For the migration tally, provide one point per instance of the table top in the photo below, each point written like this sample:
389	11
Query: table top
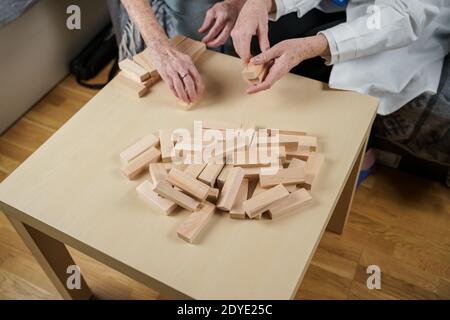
72	188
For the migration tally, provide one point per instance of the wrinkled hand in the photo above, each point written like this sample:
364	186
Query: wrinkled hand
219	21
286	55
179	72
253	20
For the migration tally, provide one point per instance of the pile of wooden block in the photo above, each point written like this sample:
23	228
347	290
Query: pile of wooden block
137	76
228	179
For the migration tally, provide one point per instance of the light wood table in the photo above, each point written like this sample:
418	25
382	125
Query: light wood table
71	191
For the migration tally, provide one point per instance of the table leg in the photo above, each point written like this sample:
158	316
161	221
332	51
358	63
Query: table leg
342	209
54	258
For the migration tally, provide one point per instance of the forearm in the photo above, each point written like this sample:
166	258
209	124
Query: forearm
142	15
315	46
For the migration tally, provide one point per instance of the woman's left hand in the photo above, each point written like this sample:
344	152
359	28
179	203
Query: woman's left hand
286	55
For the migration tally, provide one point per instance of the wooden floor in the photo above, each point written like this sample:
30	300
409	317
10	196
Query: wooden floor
398	222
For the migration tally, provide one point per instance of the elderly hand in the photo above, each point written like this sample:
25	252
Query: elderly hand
286	55
253	20
178	71
219	21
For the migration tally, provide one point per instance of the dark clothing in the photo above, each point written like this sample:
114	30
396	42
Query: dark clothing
290	26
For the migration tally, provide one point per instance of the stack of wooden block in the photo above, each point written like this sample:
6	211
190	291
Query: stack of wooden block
138	75
228	180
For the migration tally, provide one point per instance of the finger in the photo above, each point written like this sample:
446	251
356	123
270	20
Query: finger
215	30
273	76
222	37
242	46
179	87
197	80
168	80
190	88
263	37
207	23
266	56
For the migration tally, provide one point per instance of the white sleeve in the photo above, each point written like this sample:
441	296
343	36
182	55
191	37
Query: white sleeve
400	23
287	6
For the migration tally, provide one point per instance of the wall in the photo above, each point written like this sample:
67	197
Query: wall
36	49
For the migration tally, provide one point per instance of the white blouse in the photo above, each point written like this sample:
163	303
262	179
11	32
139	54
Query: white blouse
390	49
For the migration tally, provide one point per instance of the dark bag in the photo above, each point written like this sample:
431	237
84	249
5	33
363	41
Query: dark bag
98	53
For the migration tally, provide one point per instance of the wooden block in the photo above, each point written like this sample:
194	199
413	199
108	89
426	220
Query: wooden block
132	87
165	139
252	71
144	60
294	201
138	148
263	200
186	105
301	153
258	189
139	164
273	132
225	149
194	170
177	39
308	142
213	195
188	184
196	222
237	210
134	71
312	167
255	74
223	175
293	175
192	48
158	172
164	189
230	189
295	163
258	157
145	191
210	173
219	125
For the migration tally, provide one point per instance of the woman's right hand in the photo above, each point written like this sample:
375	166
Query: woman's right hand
178	71
253	20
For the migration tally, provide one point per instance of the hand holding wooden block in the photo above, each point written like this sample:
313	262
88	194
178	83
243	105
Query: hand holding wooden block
255	74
